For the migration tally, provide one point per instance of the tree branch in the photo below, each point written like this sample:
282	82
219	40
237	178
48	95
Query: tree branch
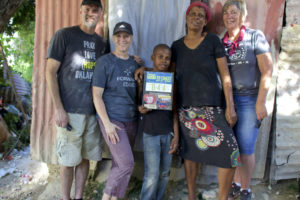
7	10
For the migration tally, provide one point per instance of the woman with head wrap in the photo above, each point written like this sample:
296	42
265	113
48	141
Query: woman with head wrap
203	79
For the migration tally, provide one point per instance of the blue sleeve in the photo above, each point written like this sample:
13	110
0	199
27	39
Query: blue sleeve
261	44
57	46
100	73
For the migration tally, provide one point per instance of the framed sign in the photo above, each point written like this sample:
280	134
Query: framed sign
158	90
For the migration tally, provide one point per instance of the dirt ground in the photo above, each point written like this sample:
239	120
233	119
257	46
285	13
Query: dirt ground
24	179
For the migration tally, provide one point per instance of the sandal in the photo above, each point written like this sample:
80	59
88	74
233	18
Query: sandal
235	191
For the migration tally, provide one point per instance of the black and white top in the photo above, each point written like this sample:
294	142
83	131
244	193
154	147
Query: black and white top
243	66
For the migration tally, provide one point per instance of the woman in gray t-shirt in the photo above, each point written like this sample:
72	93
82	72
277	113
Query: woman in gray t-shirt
250	66
114	95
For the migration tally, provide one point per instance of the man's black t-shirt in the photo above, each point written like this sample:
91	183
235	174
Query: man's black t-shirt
197	73
77	52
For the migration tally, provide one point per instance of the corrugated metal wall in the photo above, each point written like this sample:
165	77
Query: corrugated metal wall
50	16
266	15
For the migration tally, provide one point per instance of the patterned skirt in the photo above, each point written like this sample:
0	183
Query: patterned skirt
206	137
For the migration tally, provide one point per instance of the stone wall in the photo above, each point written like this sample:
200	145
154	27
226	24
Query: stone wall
286	151
292	12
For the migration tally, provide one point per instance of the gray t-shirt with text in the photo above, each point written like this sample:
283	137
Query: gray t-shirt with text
115	75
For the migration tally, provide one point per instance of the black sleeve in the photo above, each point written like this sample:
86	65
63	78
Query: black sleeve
107	47
174	53
57	46
219	49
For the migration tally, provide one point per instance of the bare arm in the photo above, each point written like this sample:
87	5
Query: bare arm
265	65
227	88
61	117
139	73
110	128
175	140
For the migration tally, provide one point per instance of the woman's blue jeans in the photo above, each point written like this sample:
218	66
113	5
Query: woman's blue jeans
247	126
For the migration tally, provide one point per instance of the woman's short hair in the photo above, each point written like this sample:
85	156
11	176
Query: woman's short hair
240	4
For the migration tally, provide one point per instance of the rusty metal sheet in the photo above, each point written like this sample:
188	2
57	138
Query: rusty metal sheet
50	16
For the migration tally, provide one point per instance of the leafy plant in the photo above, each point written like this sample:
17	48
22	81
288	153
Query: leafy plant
11	121
18	40
14	124
22	18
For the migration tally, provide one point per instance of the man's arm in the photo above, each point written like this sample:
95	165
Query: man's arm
61	117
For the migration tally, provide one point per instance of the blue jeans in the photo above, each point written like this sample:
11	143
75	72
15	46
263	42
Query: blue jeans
246	128
157	162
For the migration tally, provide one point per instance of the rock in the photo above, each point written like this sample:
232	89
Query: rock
6	171
211	194
265	196
199	190
104	168
53	190
270	187
4	133
184	197
185	191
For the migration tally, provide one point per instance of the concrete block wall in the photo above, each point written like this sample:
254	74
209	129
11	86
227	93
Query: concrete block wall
286	152
292	12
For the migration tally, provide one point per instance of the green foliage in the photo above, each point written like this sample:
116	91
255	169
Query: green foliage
134	188
19	51
2	81
18	40
22	133
22	18
293	187
11	121
94	190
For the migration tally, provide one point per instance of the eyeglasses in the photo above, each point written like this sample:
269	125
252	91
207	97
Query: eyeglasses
193	15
